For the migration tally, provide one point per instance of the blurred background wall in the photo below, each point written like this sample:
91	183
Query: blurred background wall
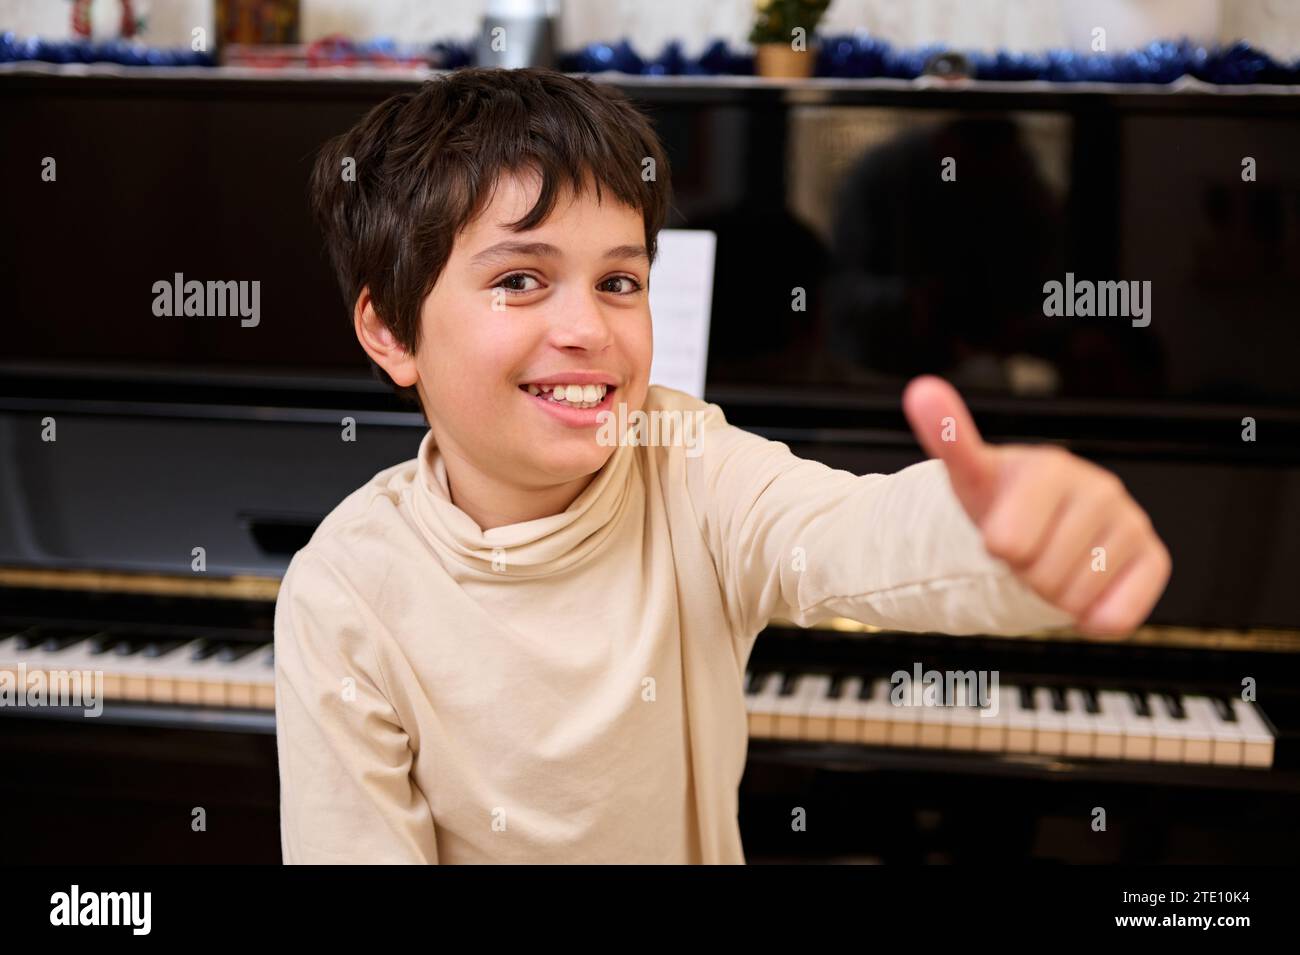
1272	25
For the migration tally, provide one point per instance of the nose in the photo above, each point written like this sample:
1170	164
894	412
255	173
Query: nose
580	322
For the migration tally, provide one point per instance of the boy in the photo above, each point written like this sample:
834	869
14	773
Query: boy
527	644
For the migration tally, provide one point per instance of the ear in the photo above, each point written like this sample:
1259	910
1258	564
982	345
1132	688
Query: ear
381	344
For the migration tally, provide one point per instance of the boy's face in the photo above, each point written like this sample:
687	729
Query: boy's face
516	314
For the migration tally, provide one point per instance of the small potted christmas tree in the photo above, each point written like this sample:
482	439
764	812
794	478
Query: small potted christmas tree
783	36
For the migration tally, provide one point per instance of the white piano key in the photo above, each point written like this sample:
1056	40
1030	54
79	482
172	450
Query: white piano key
1197	735
1258	745
762	712
1229	741
202	682
901	712
991	728
1021	724
963	718
786	710
878	715
934	717
1168	733
846	726
135	676
138	676
1050	736
1139	731
1080	726
792	720
1109	726
819	715
251	681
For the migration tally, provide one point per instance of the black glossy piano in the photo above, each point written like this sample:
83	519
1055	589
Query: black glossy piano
156	476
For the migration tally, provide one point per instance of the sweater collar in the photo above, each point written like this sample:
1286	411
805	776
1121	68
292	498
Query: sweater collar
531	548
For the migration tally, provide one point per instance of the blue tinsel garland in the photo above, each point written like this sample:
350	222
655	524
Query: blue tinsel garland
861	56
13	50
852	55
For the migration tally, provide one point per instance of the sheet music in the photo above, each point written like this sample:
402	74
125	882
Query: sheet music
681	297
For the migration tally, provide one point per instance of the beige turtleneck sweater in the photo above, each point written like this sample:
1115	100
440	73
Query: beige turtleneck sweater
569	689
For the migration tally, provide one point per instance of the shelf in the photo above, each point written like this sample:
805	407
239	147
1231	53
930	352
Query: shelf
1186	92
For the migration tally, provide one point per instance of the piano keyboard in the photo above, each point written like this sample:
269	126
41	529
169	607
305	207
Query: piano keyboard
150	669
1074	722
1077	722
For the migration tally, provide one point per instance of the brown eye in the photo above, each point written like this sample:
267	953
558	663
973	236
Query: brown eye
516	283
632	285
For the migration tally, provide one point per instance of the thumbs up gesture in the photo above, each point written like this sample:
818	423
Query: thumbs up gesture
1067	528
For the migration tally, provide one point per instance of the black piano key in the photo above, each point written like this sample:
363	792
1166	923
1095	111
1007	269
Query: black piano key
160	648
1173	705
235	651
787	684
61	641
1058	699
129	646
1027	698
753	681
51	639
836	689
102	643
205	649
1140	703
1224	709
108	643
1090	701
867	688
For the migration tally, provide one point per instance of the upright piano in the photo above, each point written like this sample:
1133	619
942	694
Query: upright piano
157	475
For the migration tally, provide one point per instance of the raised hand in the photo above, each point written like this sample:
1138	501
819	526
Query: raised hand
1066	527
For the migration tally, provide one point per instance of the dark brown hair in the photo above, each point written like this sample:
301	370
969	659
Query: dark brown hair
426	161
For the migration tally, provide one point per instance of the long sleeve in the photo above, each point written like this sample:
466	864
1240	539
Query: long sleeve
346	790
795	539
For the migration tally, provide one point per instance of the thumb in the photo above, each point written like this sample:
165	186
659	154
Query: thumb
946	431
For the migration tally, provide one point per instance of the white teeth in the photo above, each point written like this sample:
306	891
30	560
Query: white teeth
577	396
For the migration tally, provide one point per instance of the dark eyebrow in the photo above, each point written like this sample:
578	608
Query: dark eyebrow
628	252
505	249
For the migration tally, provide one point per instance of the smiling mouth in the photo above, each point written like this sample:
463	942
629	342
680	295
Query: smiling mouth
570	396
